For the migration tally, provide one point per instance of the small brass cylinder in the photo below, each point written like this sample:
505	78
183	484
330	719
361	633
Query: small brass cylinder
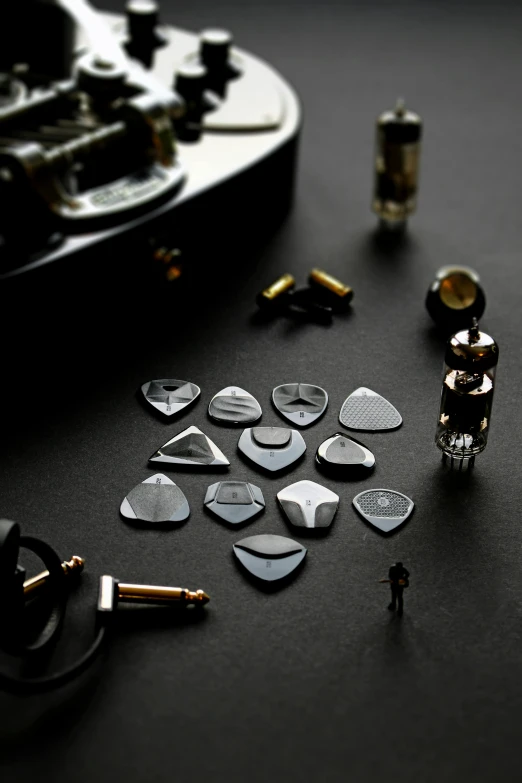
331	290
271	296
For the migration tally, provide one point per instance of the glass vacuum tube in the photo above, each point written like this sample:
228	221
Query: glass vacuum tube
397	155
467	396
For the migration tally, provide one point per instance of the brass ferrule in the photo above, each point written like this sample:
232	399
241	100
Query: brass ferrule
281	286
73	566
323	279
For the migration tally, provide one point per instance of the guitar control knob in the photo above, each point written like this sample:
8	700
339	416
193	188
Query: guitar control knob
215	49
215	54
190	83
142	21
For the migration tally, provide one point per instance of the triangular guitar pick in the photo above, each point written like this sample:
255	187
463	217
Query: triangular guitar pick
367	411
190	447
269	557
170	396
308	504
301	403
157	499
233	405
385	509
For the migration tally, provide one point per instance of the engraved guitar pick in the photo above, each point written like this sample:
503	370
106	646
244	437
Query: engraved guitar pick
273	448
234	406
269	557
385	509
369	412
170	396
234	501
308	504
190	447
345	456
157	499
301	403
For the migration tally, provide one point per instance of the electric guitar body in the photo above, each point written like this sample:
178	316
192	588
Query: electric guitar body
95	185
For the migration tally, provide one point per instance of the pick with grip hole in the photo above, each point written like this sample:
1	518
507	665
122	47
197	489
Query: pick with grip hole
385	509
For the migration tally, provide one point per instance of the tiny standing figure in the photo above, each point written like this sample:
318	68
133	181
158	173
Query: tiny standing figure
398	577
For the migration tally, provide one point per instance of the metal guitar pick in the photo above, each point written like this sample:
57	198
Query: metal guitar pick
170	396
301	403
157	499
269	557
345	455
307	504
234	406
273	448
190	447
385	509
367	411
234	501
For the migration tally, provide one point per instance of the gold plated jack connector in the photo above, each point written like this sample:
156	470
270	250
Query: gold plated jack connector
112	592
73	566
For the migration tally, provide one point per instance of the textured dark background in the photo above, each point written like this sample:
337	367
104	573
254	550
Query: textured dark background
317	681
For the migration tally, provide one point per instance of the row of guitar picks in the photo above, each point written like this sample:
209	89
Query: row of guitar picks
300	403
271	448
305	503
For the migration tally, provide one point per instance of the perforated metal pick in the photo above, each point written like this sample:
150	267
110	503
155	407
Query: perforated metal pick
345	456
190	447
273	448
170	396
157	499
301	403
234	501
234	406
369	412
385	509
269	557
307	504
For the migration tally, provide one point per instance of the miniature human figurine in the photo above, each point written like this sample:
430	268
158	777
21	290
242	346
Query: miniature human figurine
398	580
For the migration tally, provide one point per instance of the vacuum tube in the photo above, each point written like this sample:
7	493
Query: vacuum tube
467	396
397	157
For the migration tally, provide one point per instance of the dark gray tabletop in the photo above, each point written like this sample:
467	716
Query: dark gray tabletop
316	682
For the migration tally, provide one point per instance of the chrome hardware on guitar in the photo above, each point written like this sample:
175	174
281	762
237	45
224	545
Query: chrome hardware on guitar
108	125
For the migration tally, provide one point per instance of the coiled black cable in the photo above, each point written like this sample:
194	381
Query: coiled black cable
12	621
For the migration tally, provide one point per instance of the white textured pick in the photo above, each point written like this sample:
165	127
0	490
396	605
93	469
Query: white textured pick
234	405
385	509
156	500
367	411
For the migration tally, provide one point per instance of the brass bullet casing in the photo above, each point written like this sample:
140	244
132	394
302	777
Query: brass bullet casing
275	296
455	297
73	566
397	158
330	291
112	592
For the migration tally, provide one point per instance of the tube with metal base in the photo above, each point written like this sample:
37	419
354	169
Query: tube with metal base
467	396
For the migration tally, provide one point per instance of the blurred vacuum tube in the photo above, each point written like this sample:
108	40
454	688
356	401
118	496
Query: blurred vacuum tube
467	396
397	157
